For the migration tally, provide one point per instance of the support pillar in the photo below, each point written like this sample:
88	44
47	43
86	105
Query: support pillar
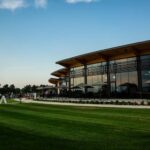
85	77
66	82
139	74
69	79
108	78
58	88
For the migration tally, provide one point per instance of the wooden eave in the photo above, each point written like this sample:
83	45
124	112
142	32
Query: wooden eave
120	52
60	73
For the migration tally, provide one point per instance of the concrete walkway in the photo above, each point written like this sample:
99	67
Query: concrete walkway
83	105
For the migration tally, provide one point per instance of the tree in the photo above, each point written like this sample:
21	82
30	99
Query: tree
17	90
12	88
5	89
27	89
34	88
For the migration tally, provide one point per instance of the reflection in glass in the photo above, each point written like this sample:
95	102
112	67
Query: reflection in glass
145	61
123	76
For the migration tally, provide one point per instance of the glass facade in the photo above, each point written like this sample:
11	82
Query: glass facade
96	76
145	65
123	76
77	76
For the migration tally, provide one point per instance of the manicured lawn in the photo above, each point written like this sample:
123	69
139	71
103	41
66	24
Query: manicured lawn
10	101
46	127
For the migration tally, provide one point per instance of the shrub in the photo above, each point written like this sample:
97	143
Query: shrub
142	102
117	102
129	103
101	102
135	103
111	102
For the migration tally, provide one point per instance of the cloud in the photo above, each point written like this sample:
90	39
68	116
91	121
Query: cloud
79	1
16	4
41	3
12	4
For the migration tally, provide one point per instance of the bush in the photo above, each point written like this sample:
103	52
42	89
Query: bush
117	102
101	102
111	102
135	103
142	102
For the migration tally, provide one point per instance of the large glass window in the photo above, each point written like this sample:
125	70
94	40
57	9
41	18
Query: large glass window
72	82
123	76
145	62
78	81
96	81
96	76
77	72
76	75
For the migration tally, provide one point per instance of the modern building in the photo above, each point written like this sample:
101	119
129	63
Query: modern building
118	71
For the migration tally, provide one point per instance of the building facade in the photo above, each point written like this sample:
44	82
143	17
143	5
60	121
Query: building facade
122	71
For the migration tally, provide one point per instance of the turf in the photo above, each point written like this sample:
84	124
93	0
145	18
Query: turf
46	127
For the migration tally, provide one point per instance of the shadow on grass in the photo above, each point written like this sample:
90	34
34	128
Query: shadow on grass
11	139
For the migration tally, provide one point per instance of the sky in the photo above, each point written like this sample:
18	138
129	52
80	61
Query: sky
34	34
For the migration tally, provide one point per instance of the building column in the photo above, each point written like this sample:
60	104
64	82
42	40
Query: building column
115	72
108	78
58	88
69	79
66	82
85	76
139	74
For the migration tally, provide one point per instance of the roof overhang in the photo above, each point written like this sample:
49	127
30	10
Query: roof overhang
120	52
53	80
61	72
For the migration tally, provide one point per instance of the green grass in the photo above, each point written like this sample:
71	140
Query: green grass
46	127
11	101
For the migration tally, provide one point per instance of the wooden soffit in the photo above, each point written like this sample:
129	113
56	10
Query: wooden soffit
53	80
120	52
61	72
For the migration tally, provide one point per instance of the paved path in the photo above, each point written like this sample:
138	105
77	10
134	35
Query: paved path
87	105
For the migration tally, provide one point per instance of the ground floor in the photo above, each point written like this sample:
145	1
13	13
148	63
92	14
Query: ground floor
129	77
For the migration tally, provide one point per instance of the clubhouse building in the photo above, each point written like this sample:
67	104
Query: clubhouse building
122	71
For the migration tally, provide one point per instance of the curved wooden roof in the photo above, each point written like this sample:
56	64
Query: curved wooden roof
120	52
61	72
53	80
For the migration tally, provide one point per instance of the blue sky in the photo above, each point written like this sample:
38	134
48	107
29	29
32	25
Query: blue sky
34	34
